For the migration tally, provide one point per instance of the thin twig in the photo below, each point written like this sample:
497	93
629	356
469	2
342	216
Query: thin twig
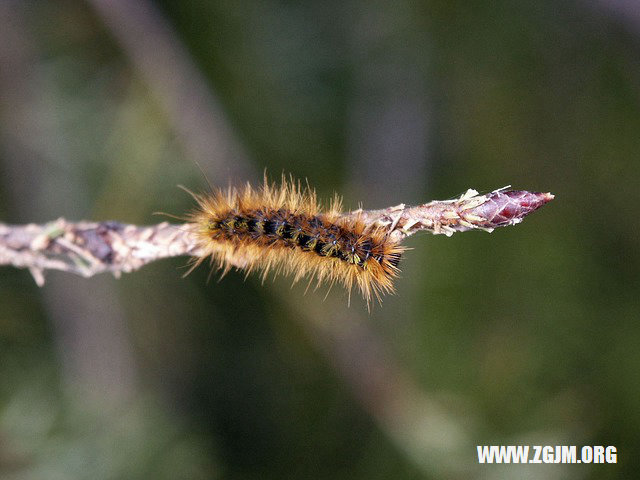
471	211
86	248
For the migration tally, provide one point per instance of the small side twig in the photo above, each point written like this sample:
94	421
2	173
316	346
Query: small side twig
87	248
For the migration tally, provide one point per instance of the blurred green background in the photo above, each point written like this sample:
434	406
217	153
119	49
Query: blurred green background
529	335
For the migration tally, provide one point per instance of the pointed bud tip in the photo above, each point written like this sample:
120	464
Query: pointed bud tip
510	207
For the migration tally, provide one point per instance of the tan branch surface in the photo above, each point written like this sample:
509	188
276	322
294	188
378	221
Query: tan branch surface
86	248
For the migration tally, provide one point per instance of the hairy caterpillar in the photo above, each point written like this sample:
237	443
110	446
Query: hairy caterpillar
285	229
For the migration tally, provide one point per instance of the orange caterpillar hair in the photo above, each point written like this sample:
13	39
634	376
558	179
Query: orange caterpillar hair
284	228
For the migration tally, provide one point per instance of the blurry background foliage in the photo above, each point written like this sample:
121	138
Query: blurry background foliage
526	336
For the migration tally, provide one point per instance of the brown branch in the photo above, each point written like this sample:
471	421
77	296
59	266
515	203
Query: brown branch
86	248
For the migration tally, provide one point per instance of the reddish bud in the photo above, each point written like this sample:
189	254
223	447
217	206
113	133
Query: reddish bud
507	208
